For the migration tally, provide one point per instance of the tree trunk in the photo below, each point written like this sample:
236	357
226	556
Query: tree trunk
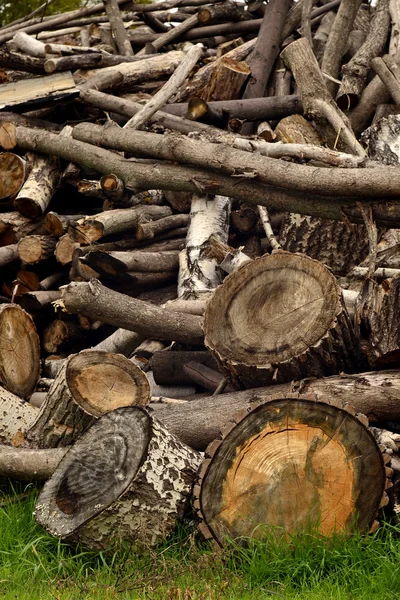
277	319
126	478
19	351
381	315
88	385
324	471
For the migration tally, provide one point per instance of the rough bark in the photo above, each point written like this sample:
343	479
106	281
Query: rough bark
279	318
88	385
147	231
339	245
126	478
92	299
35	195
335	461
381	316
16	417
19	351
227	80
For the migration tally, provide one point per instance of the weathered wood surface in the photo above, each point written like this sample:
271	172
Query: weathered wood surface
126	478
325	471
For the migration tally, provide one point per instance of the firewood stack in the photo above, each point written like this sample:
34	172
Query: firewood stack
200	266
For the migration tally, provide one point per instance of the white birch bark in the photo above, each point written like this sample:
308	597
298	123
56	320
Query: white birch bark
199	274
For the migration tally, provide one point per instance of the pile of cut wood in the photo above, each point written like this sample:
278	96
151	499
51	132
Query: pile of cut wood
199	258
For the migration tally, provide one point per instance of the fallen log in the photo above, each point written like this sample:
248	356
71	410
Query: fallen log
335	462
88	385
126	478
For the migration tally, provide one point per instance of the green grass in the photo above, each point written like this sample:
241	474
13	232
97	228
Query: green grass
36	566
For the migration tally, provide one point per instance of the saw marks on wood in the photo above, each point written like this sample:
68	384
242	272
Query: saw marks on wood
293	465
19	351
102	382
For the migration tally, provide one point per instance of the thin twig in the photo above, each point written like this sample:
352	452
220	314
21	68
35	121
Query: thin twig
264	216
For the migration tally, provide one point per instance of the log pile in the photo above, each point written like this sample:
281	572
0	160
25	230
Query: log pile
200	266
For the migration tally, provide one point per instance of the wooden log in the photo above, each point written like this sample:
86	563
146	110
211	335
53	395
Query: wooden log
339	245
262	58
376	394
168	89
65	249
91	229
13	171
381	317
329	453
36	248
20	62
356	70
57	225
29	44
19	351
30	94
36	193
317	101
24	464
338	39
14	226
227	80
277	319
39	300
147	231
16	417
88	385
168	367
198	273
61	334
126	478
136	72
118	27
130	313
388	70
253	109
349	186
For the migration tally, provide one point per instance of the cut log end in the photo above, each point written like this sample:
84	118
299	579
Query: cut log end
12	173
270	312
19	351
291	465
101	382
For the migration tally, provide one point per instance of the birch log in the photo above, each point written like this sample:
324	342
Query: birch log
127	478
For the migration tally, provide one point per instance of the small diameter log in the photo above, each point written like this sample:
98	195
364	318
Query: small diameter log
91	229
19	351
356	70
25	464
168	367
65	249
14	226
127	478
29	44
61	334
317	101
35	195
388	71
36	248
338	40
279	318
118	27
16	416
148	262
88	385
94	300
168	89
198	273
324	471
375	394
227	80
13	170
147	231
57	225
8	255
